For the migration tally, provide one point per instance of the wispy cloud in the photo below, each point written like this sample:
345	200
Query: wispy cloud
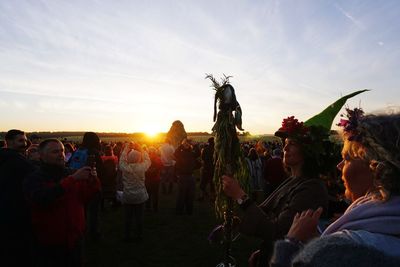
351	18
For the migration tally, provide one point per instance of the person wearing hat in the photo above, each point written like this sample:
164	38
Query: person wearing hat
303	190
371	224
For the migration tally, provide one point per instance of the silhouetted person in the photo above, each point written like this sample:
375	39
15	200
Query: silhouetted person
207	172
274	172
90	148
168	170
186	158
15	224
57	200
152	181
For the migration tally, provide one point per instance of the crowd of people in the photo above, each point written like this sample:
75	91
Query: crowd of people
52	193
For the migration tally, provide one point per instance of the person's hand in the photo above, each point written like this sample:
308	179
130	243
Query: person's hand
82	173
232	188
304	226
253	260
93	172
126	147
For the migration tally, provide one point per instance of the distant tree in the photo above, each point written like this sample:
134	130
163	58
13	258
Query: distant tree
245	134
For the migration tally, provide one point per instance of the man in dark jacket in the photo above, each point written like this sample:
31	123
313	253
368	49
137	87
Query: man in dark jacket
57	201
186	162
15	225
207	172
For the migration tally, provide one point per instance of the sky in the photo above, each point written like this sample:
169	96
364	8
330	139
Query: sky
133	66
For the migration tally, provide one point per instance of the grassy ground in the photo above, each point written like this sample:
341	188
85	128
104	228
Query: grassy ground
169	240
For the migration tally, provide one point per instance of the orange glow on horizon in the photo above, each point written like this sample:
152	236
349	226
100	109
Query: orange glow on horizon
151	131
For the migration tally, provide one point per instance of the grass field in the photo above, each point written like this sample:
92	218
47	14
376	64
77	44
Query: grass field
169	240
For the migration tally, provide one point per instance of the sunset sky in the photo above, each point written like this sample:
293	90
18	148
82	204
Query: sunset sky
129	66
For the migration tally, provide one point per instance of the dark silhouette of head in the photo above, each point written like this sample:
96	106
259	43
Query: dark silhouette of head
91	141
16	139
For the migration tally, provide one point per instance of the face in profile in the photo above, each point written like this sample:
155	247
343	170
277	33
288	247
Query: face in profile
356	175
33	153
18	143
293	155
53	154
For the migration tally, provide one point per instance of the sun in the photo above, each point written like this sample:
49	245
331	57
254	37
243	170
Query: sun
151	131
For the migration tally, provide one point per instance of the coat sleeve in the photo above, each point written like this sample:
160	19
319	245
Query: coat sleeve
158	163
311	194
123	160
87	189
284	252
41	194
134	167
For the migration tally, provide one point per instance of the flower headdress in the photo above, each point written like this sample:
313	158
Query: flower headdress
292	128
313	132
350	125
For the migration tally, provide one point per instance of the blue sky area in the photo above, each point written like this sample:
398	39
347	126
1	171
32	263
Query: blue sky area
139	65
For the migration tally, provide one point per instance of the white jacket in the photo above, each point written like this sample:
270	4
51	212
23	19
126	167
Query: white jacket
133	176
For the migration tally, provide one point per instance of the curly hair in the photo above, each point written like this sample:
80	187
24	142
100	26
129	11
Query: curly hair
380	146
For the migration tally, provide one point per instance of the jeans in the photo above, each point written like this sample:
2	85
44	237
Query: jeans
167	179
186	191
92	214
134	213
152	191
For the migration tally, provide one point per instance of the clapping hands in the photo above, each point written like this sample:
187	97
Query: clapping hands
304	226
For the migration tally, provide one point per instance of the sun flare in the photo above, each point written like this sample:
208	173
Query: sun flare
151	131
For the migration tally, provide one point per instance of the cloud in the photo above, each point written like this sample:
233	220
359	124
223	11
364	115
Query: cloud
356	22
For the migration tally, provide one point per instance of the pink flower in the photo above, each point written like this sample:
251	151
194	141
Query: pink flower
343	123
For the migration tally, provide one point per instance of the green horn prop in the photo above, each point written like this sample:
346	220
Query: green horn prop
326	117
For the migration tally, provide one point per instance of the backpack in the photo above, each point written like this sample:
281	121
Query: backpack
79	158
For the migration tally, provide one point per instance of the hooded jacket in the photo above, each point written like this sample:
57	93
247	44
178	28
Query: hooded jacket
372	222
133	177
368	231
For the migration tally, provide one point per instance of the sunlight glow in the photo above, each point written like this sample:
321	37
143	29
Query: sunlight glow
106	73
151	131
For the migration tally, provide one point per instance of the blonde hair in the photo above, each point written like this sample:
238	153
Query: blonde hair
379	145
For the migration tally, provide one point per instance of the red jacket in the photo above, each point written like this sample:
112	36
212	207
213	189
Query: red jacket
57	206
274	172
153	172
